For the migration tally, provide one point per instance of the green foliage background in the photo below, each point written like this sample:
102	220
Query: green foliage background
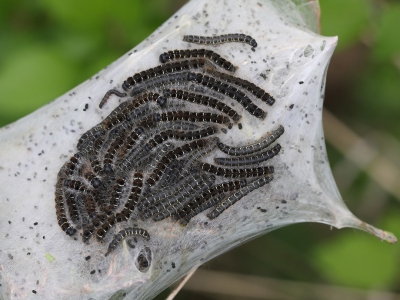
47	47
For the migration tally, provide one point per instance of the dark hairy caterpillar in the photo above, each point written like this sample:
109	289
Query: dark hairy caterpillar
203	100
122	112
171	155
248	160
108	94
163	209
238	195
194	53
173	207
237	173
161	70
190	164
252	148
162	81
179	135
72	165
72	208
221	39
133	198
60	211
131	231
251	87
155	198
207	199
153	120
230	91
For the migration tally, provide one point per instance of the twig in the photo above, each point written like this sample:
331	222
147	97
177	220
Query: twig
182	283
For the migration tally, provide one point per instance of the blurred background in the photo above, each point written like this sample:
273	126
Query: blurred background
48	47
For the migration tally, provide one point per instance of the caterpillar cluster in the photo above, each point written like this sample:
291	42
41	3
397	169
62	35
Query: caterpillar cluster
146	160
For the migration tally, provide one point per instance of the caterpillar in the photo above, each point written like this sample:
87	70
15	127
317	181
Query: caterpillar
248	160
203	100
252	148
131	231
161	70
194	53
251	87
221	39
230	91
238	195
237	173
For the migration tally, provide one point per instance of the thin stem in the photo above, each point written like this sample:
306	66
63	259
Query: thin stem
182	283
